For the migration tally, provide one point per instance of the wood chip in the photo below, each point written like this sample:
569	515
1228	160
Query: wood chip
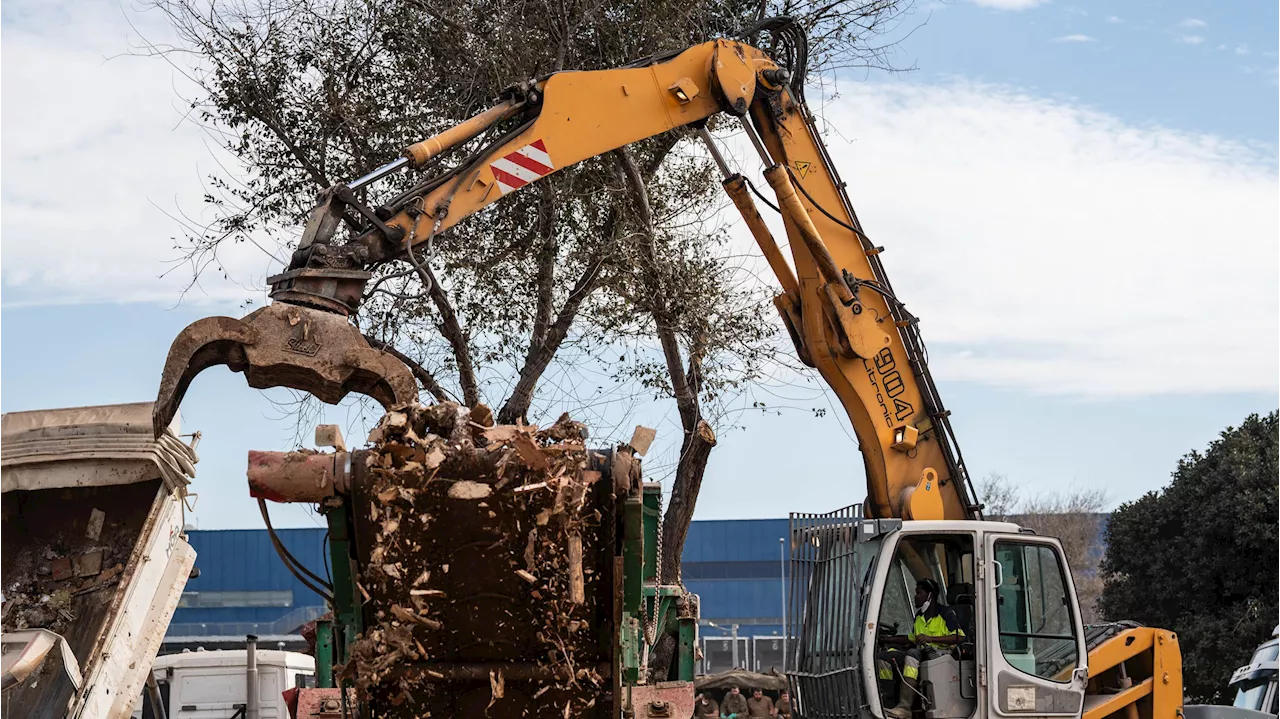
501	434
330	435
526	576
530	453
642	438
87	565
497	686
482	415
94	530
433	458
577	593
466	489
530	555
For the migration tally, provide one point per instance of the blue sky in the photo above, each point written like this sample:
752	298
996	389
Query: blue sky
1079	199
1201	66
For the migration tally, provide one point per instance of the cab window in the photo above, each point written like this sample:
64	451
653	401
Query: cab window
946	559
1033	610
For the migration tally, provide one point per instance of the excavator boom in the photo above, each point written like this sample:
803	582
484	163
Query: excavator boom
837	304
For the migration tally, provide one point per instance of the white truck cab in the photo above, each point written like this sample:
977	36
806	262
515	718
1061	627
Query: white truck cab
214	684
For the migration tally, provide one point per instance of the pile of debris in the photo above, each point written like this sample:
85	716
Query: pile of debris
55	564
486	556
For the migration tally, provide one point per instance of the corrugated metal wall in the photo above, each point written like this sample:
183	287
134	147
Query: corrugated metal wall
243	560
735	566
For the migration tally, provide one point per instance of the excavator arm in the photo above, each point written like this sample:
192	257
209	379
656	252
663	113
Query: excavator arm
837	304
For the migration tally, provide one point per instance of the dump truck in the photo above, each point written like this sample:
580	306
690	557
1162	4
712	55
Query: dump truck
95	555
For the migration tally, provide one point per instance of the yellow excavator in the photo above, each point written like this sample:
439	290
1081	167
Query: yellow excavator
1026	654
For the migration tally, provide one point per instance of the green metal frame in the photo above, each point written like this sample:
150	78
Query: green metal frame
641	591
348	614
324	653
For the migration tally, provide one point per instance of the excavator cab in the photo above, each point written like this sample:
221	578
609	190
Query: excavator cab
852	587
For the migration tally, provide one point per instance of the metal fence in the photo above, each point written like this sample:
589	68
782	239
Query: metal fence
822	662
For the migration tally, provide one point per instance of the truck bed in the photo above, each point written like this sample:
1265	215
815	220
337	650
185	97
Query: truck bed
48	526
93	550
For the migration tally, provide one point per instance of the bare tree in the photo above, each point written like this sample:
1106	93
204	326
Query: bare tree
1073	516
999	497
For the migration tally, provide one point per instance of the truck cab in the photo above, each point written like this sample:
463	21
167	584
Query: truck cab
214	684
1255	683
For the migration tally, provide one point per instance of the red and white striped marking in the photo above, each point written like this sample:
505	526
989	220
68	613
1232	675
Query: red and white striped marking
521	167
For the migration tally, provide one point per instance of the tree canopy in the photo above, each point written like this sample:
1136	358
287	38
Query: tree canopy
1200	556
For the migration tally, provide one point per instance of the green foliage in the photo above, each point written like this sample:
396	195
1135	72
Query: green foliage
1200	556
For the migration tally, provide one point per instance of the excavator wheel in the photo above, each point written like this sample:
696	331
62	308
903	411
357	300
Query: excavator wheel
284	345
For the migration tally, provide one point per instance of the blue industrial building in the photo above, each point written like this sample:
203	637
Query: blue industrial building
736	567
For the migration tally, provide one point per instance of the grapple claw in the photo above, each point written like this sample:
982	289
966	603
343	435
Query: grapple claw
284	345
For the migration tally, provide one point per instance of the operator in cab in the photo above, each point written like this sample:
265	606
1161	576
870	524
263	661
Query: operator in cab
935	630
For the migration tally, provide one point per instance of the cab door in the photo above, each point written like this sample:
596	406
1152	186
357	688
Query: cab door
1036	663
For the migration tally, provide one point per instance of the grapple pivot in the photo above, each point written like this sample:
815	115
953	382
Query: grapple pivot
284	345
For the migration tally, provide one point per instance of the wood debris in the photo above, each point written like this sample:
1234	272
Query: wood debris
521	516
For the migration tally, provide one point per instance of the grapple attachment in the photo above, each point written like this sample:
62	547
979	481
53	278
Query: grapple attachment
284	345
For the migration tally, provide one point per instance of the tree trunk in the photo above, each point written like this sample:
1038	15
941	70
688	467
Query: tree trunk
694	454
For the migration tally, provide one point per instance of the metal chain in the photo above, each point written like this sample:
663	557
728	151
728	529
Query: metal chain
651	617
657	571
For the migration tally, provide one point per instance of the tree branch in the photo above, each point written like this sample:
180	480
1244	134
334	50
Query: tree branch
686	400
452	331
541	353
694	454
546	340
424	377
546	268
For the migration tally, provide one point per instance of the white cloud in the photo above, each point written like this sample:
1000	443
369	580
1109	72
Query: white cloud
97	154
1190	39
1242	49
1075	38
1043	245
1009	4
1114	19
1193	22
1057	249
